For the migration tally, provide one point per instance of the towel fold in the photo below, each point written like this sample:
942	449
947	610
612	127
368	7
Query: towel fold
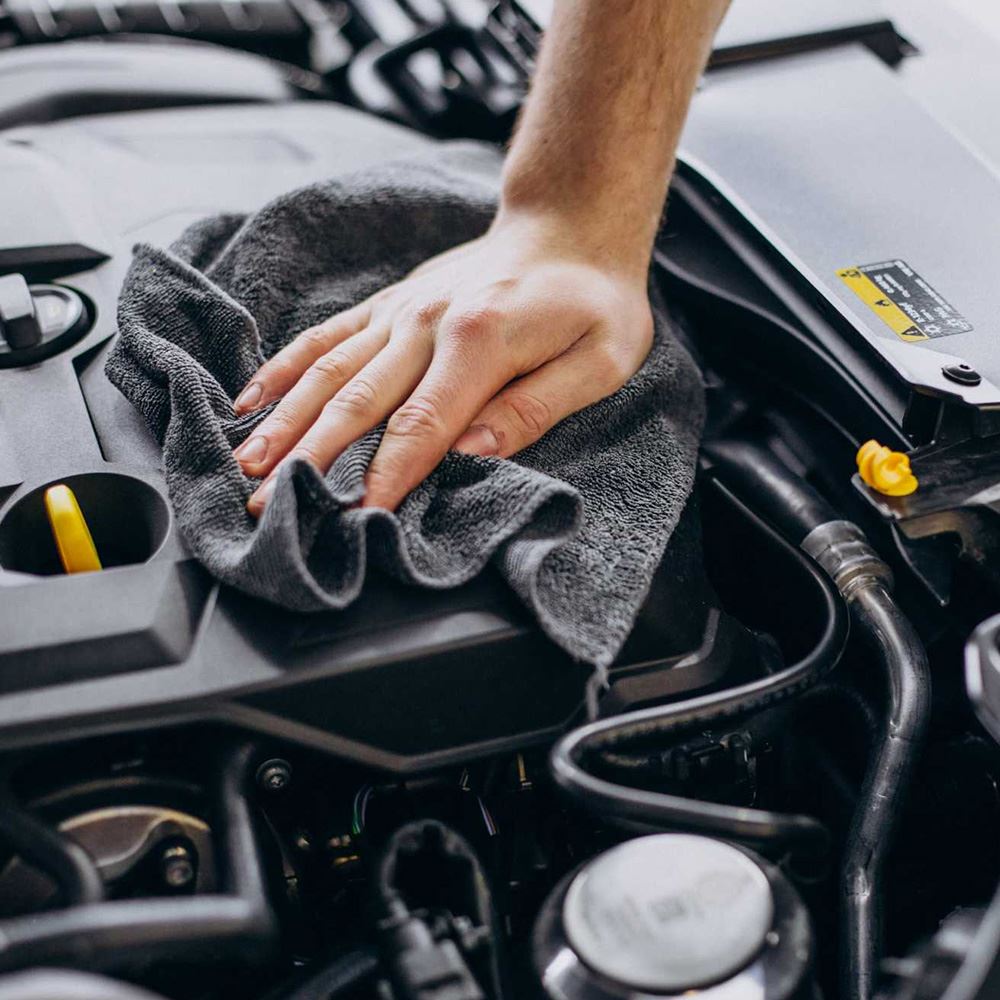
576	523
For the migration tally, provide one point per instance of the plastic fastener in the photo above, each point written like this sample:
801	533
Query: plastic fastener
962	373
885	470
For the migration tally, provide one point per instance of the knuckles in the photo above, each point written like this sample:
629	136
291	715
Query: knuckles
474	324
282	422
531	414
426	315
357	399
420	418
333	367
315	338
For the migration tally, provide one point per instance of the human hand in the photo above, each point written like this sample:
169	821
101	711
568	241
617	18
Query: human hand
482	349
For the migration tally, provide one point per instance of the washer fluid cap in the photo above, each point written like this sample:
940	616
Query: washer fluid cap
886	471
668	913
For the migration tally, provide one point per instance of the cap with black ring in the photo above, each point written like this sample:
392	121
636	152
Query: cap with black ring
663	915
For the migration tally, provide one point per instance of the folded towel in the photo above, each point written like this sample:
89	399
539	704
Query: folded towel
576	523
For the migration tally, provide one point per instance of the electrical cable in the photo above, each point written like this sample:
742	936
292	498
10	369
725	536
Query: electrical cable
344	975
59	857
658	809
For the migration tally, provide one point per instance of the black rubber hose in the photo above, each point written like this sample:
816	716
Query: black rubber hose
239	926
650	765
59	857
861	576
852	699
904	658
768	487
656	809
343	975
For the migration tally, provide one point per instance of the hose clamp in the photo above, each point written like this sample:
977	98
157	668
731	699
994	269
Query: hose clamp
847	557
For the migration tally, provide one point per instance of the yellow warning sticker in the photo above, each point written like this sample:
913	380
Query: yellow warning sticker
904	301
883	307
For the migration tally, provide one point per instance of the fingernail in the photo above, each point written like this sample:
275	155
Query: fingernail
263	496
250	396
478	440
252	451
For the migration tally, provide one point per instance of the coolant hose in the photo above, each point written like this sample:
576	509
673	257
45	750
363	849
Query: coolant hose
864	580
768	487
904	660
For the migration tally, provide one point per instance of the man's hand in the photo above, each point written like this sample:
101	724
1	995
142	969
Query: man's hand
487	346
484	349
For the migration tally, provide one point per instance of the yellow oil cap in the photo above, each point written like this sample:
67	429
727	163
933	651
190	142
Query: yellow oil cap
885	470
69	528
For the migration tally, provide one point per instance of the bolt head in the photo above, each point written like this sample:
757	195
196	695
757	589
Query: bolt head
177	867
274	775
962	374
178	874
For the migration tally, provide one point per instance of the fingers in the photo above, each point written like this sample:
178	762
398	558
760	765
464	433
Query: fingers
442	375
304	401
363	403
278	375
461	378
531	406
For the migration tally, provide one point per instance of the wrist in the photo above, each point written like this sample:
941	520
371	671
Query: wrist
586	233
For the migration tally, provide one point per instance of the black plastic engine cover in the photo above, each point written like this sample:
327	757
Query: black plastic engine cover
405	679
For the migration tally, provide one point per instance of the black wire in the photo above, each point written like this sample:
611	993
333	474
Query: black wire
338	978
59	857
660	810
853	699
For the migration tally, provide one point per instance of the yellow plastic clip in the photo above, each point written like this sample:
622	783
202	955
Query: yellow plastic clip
69	528
885	470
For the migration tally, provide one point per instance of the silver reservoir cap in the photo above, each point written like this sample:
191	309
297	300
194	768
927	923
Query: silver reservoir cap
668	913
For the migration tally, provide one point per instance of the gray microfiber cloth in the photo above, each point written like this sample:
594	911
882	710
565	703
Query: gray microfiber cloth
576	524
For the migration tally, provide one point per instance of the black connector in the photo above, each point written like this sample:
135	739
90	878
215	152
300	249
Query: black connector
437	931
421	966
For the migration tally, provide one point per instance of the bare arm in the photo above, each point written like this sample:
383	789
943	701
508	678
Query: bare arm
596	144
486	347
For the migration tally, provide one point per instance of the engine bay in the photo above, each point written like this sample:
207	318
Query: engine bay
792	769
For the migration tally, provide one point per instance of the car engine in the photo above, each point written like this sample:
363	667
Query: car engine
787	787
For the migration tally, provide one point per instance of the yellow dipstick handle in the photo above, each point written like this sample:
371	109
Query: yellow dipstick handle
69	528
885	470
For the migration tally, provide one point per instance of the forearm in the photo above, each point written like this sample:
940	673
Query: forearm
596	143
